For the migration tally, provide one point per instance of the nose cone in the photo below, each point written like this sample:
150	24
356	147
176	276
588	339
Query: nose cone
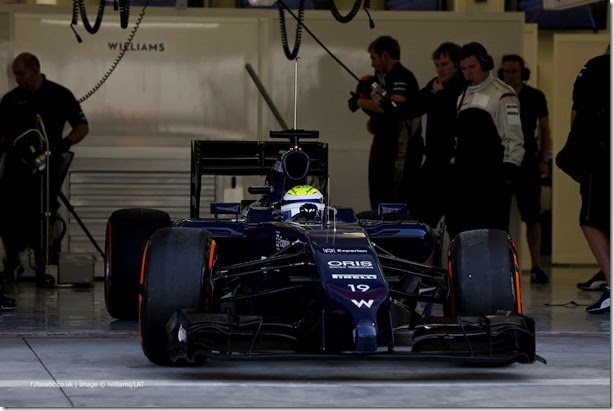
365	337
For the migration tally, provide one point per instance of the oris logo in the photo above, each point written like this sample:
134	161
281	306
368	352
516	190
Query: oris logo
350	264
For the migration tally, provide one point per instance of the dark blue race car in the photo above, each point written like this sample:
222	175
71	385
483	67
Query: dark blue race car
290	276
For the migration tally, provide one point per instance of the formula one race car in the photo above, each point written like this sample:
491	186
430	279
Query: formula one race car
290	276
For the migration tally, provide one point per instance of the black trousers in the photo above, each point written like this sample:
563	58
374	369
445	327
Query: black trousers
433	193
382	176
595	192
22	208
480	199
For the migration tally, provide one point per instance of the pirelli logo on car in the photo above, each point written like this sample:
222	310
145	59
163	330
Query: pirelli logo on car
354	277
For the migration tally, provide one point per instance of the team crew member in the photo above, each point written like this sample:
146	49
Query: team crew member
590	118
533	111
396	149
489	147
34	100
438	101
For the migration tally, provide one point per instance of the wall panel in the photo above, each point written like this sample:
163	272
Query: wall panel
178	79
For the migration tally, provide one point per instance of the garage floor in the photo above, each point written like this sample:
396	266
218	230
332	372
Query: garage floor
60	348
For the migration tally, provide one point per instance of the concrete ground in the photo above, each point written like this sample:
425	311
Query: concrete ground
60	348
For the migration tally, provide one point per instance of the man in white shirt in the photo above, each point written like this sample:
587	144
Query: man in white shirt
489	147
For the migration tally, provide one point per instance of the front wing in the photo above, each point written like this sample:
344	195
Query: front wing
497	339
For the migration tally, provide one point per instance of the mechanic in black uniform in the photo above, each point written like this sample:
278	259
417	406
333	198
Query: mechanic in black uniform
488	147
590	119
533	112
397	147
34	100
438	101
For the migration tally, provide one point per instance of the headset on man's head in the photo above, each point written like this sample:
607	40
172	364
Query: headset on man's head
525	73
476	49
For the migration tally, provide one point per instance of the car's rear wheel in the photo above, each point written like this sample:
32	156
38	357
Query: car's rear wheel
127	233
176	274
484	274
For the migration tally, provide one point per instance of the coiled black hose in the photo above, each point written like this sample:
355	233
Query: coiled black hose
347	18
284	34
124	12
78	7
343	19
350	16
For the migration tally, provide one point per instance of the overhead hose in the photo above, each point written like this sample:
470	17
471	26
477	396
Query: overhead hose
367	4
284	35
124	12
347	18
79	6
119	56
300	22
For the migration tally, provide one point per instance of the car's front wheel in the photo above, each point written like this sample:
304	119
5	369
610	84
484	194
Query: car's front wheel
176	274
484	274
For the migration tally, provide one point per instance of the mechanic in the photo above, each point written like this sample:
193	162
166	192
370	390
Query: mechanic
438	101
533	111
35	100
488	147
397	148
590	119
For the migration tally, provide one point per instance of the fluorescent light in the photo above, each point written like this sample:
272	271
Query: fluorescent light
565	4
160	24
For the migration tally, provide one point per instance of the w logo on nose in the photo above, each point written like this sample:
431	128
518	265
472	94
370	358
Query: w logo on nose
363	302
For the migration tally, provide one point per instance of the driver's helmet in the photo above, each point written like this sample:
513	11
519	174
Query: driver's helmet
295	199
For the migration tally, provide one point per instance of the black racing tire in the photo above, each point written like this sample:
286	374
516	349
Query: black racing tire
127	233
176	275
484	274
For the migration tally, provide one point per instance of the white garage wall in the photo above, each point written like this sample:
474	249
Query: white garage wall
181	78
